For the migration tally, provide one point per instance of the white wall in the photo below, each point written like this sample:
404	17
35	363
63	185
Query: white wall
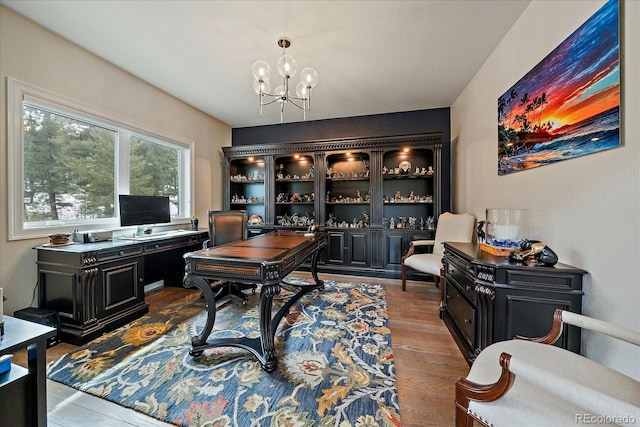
586	209
36	56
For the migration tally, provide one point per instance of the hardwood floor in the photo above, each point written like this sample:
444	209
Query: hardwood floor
428	363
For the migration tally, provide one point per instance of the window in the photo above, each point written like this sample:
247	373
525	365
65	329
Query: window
68	164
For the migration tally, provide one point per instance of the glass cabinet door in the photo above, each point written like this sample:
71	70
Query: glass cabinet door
347	198
294	191
247	187
408	189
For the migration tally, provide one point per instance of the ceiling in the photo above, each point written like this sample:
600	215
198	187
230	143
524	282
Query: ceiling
371	56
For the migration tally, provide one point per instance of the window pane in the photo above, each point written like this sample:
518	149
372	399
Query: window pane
154	170
68	168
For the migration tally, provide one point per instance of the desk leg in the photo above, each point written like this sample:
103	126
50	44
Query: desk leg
314	268
267	332
209	297
37	361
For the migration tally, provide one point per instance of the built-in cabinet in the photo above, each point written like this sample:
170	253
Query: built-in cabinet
372	196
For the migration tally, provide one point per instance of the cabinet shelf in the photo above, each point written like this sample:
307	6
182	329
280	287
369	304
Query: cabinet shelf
294	180
294	203
247	203
390	177
346	203
348	179
407	203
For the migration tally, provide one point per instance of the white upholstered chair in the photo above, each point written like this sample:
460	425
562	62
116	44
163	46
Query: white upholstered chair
530	382
451	228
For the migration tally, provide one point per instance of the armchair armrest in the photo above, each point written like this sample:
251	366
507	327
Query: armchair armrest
417	243
560	317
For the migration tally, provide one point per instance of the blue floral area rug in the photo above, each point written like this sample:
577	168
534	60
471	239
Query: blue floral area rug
335	364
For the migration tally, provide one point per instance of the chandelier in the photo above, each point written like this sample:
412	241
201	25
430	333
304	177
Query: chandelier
287	67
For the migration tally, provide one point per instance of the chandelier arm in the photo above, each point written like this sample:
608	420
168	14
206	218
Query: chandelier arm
291	100
272	101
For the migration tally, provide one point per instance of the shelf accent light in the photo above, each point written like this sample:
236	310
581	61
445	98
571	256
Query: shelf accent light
287	68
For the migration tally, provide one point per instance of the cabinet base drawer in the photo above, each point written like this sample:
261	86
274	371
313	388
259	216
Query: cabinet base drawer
461	311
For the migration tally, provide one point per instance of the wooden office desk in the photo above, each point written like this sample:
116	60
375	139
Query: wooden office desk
265	260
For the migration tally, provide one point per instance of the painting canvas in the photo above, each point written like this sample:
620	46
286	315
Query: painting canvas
569	104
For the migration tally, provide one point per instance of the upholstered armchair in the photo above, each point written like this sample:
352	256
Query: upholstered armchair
227	227
531	382
451	228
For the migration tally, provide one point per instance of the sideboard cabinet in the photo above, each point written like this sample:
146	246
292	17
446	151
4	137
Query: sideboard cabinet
97	287
488	298
372	196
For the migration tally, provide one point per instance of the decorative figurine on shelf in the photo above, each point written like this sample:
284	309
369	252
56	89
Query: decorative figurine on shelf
365	219
405	167
430	170
384	170
542	253
392	223
423	171
397	197
280	174
330	172
417	172
430	223
421	223
358	197
312	171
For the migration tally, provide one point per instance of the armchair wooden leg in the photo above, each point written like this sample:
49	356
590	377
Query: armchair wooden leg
404	277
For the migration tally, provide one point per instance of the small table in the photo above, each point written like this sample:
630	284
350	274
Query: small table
266	260
20	334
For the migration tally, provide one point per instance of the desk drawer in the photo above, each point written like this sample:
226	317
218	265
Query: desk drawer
462	276
119	253
462	312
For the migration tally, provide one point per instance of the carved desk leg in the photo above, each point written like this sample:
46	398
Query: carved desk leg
267	332
199	342
314	268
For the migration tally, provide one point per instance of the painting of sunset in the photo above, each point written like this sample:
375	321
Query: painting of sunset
569	104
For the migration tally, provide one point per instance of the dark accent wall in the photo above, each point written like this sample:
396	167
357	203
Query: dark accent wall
378	125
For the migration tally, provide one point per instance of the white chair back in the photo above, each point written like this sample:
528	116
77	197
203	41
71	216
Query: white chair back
453	228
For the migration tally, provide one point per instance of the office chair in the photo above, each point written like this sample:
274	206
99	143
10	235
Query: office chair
451	228
227	227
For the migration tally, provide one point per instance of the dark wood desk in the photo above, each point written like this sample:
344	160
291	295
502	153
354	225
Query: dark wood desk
265	260
20	334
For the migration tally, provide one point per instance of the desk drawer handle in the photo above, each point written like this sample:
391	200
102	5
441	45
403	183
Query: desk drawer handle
121	252
467	321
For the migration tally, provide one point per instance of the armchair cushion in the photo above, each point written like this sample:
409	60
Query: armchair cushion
426	263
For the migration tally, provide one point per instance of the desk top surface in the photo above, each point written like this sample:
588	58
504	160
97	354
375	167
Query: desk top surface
265	247
19	333
473	253
118	242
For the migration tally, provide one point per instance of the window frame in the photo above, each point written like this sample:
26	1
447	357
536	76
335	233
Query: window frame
19	92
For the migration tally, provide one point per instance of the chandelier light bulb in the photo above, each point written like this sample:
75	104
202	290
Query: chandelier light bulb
301	90
261	70
287	66
309	77
261	86
279	91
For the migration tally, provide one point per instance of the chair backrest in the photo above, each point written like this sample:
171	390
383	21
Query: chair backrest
227	226
453	228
